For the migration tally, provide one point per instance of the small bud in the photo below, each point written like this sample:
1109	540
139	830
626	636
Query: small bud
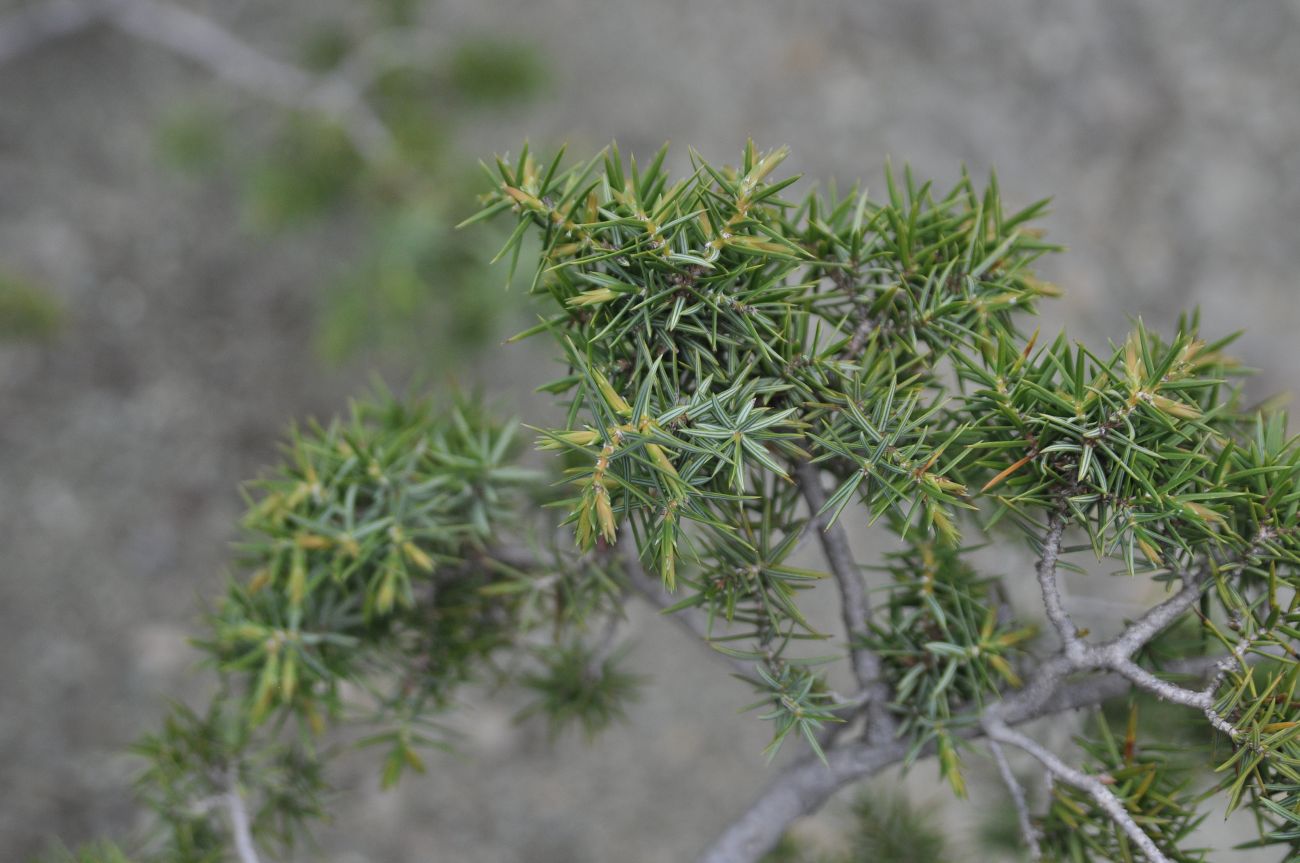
1037	286
1203	512
387	594
605	514
594	297
312	542
950	766
417	556
1175	408
1004	668
260	579
661	459
288	678
525	200
297	577
611	396
1133	361
1152	553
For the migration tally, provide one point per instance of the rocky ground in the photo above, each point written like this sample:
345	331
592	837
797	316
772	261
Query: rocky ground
1169	133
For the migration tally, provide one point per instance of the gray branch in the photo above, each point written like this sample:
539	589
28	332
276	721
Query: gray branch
1027	830
31	27
861	333
1051	589
805	787
1157	619
799	790
855	609
240	827
1202	700
1078	656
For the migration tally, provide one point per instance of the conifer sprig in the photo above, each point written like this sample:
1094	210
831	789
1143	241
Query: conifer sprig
742	372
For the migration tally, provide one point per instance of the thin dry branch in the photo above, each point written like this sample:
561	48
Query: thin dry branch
1051	589
1157	619
1202	700
240	826
999	731
855	609
31	27
1028	833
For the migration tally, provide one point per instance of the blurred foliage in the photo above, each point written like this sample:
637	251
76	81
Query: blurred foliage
348	543
884	827
789	850
98	852
890	827
493	71
999	834
192	139
410	290
386	299
195	760
326	47
310	168
28	312
397	13
577	684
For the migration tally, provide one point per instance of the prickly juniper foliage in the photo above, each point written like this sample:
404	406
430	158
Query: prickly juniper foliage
741	372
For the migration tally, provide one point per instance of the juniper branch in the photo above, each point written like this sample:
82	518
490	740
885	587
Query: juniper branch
693	320
1115	656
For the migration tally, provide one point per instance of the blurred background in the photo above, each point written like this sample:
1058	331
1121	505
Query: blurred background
218	217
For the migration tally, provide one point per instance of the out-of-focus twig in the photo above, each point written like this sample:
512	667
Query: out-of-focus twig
33	26
240	825
202	41
1028	833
